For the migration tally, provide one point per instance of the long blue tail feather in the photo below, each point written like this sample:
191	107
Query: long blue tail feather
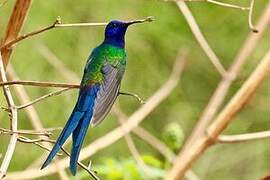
68	129
77	125
78	136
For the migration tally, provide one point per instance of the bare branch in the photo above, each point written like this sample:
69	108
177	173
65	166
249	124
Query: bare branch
57	24
40	84
55	93
22	37
243	137
93	174
26	132
200	38
183	163
132	95
13	123
227	5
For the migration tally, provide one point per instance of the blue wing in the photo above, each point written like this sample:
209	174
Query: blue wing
108	92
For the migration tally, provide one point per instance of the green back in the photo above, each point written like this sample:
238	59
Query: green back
100	56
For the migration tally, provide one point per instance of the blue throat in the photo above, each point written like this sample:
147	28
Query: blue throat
118	41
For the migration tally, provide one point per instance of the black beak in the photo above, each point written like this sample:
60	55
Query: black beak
148	19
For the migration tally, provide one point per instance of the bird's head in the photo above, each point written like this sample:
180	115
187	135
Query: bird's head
115	31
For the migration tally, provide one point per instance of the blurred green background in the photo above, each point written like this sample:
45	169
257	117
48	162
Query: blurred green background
152	49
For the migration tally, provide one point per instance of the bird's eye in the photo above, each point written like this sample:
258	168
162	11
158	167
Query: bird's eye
114	25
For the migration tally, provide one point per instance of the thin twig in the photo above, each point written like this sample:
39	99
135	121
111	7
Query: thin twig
55	93
26	132
136	96
250	17
119	132
23	139
228	5
200	38
243	137
93	174
57	24
24	36
40	84
13	123
183	163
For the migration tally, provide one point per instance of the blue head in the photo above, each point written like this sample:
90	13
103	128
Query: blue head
115	32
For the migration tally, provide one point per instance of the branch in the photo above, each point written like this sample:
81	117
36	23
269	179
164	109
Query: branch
14	26
200	38
57	24
132	95
243	137
184	162
93	174
40	84
27	132
55	93
114	135
224	85
227	5
13	123
22	37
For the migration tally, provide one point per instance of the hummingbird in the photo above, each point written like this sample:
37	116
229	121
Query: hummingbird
99	89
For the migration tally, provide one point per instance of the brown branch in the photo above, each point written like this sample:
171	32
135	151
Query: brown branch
93	174
14	26
55	93
136	96
13	123
200	38
24	36
227	5
222	89
40	84
57	24
26	132
114	135
184	162
243	137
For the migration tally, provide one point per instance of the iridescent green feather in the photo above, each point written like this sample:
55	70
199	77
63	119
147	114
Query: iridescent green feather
100	56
